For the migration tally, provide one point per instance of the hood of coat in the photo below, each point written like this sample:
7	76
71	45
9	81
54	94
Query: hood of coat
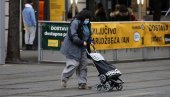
84	14
28	5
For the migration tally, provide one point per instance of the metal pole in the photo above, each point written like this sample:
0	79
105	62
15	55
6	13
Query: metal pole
64	14
167	12
20	25
39	42
2	31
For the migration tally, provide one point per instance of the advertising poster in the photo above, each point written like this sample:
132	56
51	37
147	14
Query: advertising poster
117	35
157	34
53	34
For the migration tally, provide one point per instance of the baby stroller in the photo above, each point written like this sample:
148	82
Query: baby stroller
108	74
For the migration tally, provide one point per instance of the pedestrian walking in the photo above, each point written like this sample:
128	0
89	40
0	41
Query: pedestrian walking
74	47
100	13
115	12
124	14
29	20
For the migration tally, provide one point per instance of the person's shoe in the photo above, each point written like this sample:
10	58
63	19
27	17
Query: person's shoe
26	47
30	47
84	86
63	84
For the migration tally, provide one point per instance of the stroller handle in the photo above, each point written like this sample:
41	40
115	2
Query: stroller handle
93	49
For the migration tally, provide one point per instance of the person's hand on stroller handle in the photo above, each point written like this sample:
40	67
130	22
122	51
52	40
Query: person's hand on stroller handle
85	43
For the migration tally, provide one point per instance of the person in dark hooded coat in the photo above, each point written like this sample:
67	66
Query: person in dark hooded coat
74	48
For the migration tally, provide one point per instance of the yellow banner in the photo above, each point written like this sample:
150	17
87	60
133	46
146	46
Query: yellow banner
57	8
120	35
157	34
117	35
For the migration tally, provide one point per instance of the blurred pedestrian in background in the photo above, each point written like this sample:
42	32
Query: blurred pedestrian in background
123	14
115	12
100	13
29	20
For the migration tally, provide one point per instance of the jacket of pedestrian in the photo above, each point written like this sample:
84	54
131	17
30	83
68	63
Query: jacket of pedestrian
28	14
72	48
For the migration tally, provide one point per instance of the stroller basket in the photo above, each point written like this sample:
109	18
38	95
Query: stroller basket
109	70
108	74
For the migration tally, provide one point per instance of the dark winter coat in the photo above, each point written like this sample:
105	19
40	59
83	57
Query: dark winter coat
72	45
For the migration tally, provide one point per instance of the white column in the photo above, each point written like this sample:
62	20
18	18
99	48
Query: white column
139	12
81	4
73	9
140	3
2	32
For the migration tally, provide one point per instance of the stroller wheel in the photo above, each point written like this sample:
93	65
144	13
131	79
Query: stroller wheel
102	78
99	87
119	87
107	86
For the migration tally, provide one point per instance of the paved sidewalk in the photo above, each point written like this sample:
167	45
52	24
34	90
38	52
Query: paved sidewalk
31	55
142	79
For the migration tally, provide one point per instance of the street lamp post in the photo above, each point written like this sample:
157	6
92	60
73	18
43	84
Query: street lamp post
140	3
